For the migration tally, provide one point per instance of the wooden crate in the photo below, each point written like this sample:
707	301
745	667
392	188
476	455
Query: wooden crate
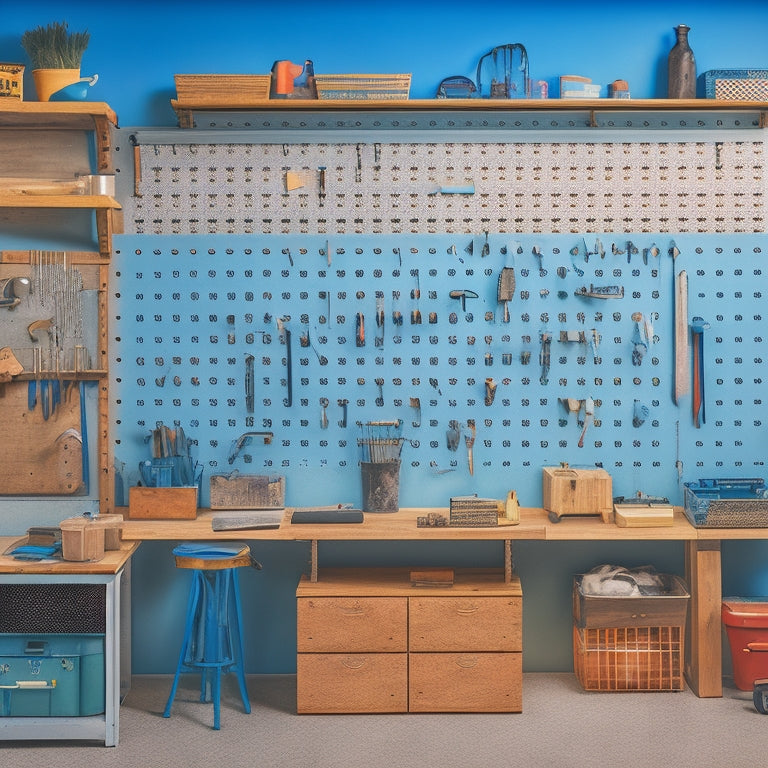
567	491
247	491
82	539
218	89
629	658
162	503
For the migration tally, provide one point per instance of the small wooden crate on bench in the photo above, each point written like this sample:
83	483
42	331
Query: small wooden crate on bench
175	503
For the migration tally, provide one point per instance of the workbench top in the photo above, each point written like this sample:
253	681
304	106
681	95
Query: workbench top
111	563
401	526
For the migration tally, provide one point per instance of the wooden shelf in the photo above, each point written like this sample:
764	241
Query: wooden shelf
511	105
57	114
185	108
38	133
58	201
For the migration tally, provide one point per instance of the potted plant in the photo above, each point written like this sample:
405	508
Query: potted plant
56	55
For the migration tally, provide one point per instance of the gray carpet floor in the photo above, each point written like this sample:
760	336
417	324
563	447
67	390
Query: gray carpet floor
561	726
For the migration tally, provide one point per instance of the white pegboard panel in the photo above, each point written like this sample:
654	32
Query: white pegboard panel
671	186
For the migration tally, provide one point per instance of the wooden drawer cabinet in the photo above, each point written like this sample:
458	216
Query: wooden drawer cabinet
368	641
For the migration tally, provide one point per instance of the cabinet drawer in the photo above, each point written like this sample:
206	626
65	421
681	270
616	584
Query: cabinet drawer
465	624
351	624
465	682
343	682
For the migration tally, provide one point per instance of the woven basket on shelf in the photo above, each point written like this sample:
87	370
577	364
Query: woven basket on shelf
741	90
736	84
215	88
363	86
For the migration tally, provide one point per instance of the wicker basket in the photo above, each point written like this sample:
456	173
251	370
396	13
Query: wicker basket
363	87
214	89
741	90
736	84
629	658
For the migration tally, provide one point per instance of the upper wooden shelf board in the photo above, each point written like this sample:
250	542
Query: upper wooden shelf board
509	105
71	115
472	114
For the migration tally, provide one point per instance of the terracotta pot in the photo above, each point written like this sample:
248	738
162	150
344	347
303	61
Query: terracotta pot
48	81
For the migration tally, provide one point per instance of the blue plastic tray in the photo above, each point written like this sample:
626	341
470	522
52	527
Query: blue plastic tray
727	503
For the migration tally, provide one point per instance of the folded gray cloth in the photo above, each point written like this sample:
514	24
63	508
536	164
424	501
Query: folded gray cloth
617	581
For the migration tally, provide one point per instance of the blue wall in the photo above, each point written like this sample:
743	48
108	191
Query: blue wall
136	49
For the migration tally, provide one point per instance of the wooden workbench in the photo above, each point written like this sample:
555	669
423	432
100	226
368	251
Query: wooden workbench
702	557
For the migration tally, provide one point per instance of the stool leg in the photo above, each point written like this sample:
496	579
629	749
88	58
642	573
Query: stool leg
239	649
210	650
217	698
194	593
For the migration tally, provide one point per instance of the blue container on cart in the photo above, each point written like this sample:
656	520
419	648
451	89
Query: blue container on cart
52	675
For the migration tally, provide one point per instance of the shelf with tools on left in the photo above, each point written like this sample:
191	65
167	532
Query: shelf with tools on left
58	215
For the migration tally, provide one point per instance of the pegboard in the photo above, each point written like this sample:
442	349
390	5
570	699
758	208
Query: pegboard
190	313
654	185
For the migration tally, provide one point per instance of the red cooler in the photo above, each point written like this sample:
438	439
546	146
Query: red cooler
746	623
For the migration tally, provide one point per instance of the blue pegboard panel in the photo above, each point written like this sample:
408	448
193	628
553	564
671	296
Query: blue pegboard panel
187	311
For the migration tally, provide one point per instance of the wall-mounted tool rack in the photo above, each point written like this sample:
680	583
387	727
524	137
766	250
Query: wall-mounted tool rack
398	207
69	234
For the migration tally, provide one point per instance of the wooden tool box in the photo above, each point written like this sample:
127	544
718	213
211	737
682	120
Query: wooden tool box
567	491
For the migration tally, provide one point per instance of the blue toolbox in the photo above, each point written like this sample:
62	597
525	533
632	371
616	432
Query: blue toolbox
727	503
52	675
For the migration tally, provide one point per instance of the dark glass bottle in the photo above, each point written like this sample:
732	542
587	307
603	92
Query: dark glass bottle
681	67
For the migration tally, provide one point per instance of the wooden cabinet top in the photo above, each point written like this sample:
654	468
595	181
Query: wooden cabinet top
111	563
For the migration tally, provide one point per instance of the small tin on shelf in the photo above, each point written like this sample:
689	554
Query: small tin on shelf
12	81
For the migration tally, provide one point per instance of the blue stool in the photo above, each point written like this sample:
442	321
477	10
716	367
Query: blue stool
213	643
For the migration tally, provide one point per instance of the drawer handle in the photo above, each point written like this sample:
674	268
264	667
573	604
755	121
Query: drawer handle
467	662
357	611
468	611
353	663
756	647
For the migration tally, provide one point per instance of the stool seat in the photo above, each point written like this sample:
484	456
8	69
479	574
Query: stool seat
214	564
213	642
